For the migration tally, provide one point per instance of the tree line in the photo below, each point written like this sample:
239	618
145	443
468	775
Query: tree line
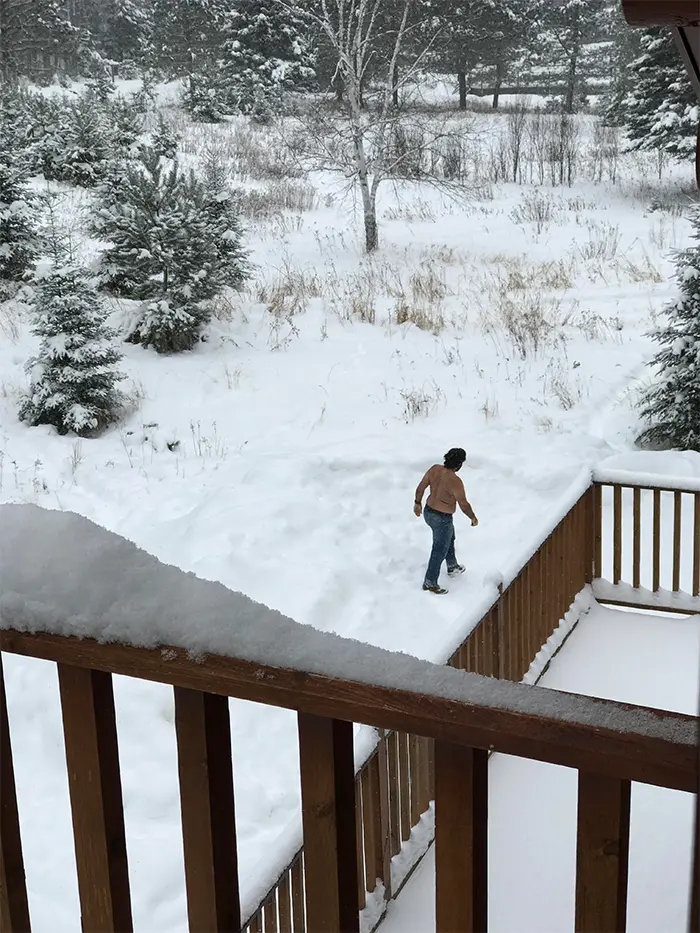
558	46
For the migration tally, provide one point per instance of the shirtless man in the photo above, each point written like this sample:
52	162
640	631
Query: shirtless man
446	493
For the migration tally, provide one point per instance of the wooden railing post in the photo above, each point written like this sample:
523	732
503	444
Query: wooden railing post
602	853
597	530
461	816
384	815
94	782
328	817
208	813
14	908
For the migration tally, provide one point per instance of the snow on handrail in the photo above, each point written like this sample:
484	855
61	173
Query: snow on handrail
646	480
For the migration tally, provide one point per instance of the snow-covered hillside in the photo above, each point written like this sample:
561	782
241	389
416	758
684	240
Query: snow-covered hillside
281	456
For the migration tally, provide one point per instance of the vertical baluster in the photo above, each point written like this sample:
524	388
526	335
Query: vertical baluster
617	534
94	782
298	912
677	519
602	852
369	826
361	854
656	541
380	803
636	537
208	813
461	813
696	548
14	907
328	817
285	905
269	914
404	779
415	775
598	531
394	821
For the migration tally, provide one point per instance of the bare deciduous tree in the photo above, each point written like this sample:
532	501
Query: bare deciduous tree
363	144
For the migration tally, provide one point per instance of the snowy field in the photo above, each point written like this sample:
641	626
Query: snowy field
629	657
281	456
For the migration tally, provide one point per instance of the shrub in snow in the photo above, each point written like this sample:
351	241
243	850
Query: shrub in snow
126	122
205	98
165	139
174	243
17	220
265	53
672	404
74	375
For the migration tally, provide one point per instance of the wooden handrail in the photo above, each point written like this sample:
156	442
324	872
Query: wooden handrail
646	13
600	736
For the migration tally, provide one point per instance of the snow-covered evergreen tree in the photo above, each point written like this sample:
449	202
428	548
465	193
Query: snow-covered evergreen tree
626	49
186	37
173	244
661	109
165	138
672	405
89	142
205	96
74	376
231	268
265	53
18	238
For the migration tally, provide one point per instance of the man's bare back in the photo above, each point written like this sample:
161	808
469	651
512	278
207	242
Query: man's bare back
446	492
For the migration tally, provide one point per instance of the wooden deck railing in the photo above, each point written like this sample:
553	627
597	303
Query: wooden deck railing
648	540
610	744
396	784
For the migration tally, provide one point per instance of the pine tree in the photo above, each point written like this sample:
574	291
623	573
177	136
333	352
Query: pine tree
672	405
661	110
265	53
37	39
231	268
165	138
74	375
89	143
568	28
174	244
186	37
626	48
18	239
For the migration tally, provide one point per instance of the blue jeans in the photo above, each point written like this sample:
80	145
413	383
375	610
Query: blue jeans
442	526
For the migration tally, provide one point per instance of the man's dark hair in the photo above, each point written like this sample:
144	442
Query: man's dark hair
455	457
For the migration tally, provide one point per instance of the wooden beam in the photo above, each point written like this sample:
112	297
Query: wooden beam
687	41
461	817
94	782
208	813
529	722
602	854
14	907
649	13
328	815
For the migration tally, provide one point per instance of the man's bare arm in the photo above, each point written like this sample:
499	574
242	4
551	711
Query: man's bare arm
465	505
422	486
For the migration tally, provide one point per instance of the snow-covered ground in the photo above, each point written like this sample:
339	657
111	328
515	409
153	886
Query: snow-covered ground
281	456
630	657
